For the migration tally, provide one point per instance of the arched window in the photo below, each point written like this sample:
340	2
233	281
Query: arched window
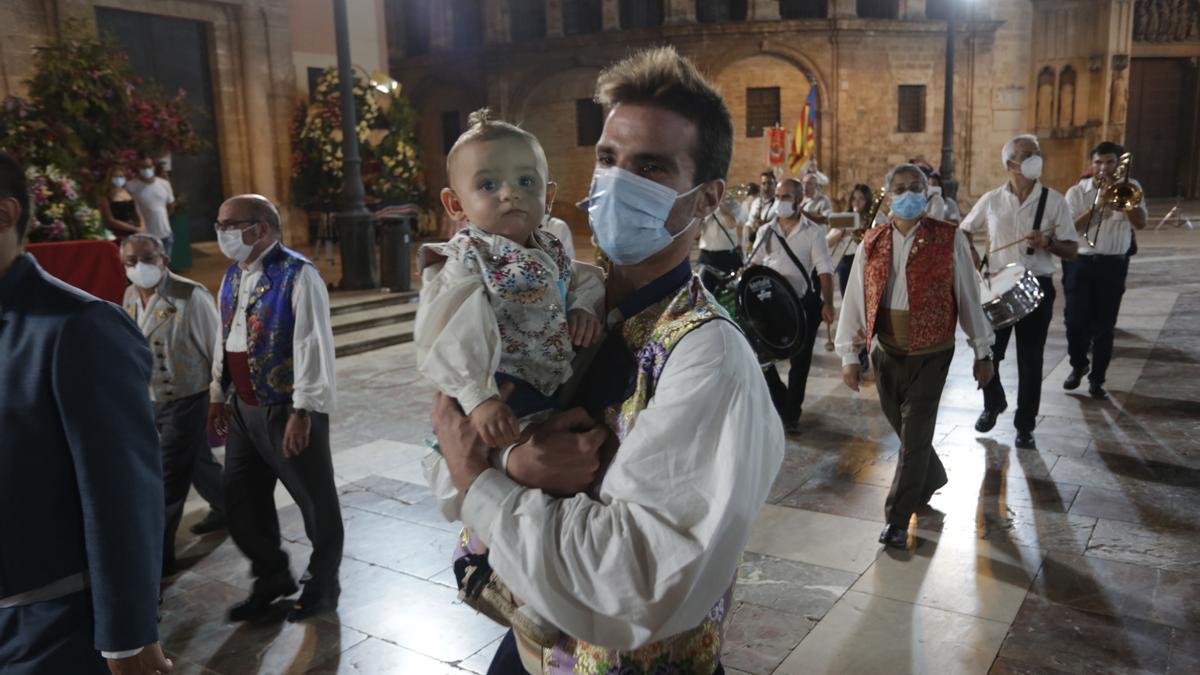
717	11
803	9
582	16
466	17
1044	114
641	13
878	9
527	19
1066	98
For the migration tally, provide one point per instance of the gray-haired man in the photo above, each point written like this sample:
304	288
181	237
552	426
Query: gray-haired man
179	319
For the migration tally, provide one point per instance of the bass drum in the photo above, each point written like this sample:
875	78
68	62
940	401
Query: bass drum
770	313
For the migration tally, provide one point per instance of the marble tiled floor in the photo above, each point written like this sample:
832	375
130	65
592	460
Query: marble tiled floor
1082	557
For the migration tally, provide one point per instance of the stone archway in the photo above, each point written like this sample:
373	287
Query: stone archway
762	69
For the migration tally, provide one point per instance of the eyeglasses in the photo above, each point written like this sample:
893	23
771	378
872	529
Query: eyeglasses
231	225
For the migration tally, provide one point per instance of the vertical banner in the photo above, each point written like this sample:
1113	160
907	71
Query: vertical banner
804	141
776	145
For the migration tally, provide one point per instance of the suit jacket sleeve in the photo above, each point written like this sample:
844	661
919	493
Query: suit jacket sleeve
101	378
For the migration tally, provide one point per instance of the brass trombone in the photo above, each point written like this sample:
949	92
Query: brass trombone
1119	195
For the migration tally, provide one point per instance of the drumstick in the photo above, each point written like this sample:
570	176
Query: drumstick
1022	239
828	337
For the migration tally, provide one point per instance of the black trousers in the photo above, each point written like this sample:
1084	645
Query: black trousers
184	440
724	261
507	660
910	389
789	400
1094	285
843	271
1031	345
47	638
254	461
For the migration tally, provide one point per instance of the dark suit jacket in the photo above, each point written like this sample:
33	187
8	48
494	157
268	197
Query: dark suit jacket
80	467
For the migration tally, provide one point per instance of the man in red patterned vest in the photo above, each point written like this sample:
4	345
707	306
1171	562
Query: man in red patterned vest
912	282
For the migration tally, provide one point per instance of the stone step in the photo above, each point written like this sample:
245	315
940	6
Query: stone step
357	301
350	322
370	339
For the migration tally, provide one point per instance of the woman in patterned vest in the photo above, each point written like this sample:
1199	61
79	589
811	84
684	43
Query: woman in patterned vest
637	570
912	281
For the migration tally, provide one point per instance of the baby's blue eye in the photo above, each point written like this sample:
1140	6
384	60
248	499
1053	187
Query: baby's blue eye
487	185
527	181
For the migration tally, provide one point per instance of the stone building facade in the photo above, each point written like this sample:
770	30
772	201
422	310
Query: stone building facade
878	65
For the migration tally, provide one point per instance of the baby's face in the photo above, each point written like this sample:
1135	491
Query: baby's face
501	186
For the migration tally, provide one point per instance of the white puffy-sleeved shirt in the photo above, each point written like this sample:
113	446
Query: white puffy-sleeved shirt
1005	219
1115	232
489	304
662	543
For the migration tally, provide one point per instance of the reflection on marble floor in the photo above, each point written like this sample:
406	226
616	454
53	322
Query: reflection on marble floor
1081	557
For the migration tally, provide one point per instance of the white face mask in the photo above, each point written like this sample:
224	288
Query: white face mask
1031	167
786	208
233	247
144	275
935	189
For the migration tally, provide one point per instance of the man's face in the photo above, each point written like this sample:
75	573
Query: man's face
235	215
1104	165
10	211
902	182
767	184
135	251
146	164
810	185
787	191
656	144
1023	150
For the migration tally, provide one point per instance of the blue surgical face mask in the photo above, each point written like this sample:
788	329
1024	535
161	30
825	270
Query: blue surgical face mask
908	205
118	181
147	173
628	214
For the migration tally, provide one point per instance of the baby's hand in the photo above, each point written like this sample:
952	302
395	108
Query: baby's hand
583	327
495	423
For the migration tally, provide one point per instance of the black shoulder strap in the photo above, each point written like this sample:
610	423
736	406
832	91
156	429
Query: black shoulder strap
1037	218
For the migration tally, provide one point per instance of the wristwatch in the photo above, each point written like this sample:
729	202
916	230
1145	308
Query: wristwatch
301	413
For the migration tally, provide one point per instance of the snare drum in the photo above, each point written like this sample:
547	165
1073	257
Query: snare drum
1010	295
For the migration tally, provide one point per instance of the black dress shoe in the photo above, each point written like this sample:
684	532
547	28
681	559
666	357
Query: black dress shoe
265	592
1025	440
1098	392
313	602
894	537
215	520
791	427
1073	380
987	418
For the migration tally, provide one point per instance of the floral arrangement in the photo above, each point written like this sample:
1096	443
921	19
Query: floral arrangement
59	211
88	110
386	130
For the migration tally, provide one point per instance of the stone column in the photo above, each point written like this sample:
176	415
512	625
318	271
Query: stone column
843	9
913	9
255	76
679	12
495	20
554	18
763	10
439	26
612	14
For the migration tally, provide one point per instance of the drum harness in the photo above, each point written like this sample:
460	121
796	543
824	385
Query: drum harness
1037	225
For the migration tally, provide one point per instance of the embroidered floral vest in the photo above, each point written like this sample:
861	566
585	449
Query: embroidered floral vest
930	275
650	335
269	323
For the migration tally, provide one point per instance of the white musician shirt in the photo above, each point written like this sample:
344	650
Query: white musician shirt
314	384
1115	231
852	324
1005	219
718	234
807	242
662	543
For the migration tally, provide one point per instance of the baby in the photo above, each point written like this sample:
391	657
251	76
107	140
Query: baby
501	304
501	301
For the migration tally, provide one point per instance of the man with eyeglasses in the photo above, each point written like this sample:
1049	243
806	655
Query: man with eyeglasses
272	390
179	320
912	281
